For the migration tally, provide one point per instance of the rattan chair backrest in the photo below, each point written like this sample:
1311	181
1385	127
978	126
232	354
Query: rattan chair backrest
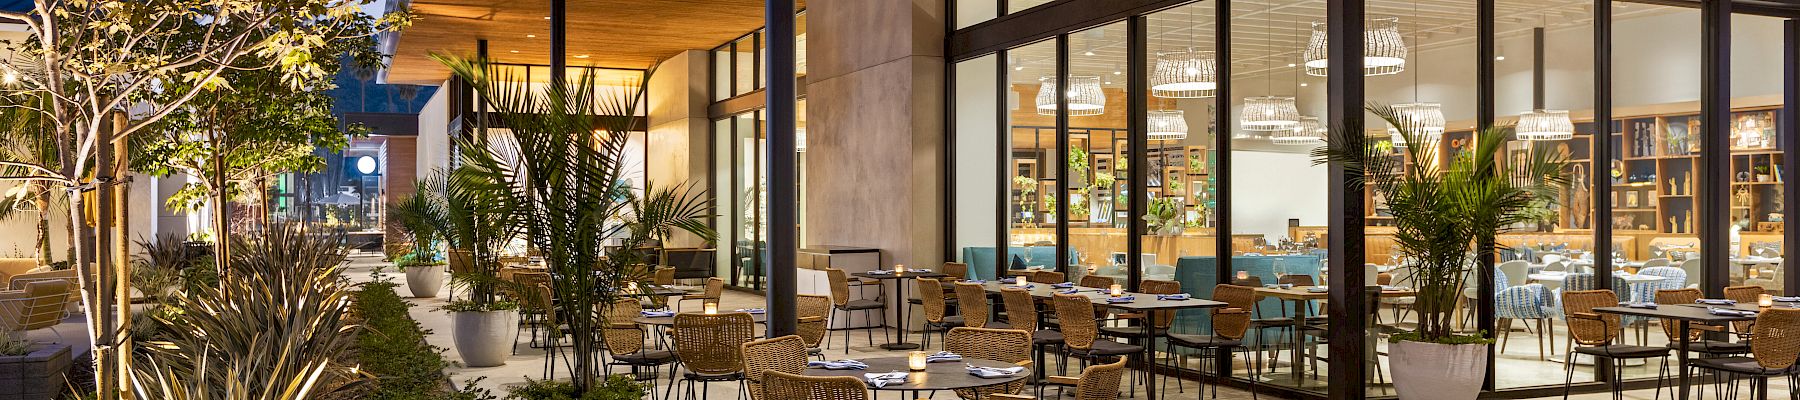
931	298
815	317
1075	316
1743	295
622	335
664	276
708	344
1232	325
1677	296
971	298
1096	281
786	386
956	270
1021	309
1297	280
782	354
1775	342
1101	382
1047	277
840	286
715	287
1589	332
1004	345
1164	319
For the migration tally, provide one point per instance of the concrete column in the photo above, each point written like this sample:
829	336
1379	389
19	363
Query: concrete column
680	137
874	161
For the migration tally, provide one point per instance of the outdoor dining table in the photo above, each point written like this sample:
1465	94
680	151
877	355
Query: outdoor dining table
1299	296
936	376
1685	315
898	301
1144	303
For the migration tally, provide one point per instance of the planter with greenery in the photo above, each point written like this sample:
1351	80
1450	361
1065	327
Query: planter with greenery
617	387
32	371
391	347
1445	219
420	218
558	173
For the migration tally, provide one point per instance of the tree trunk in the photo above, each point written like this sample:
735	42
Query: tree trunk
221	210
43	224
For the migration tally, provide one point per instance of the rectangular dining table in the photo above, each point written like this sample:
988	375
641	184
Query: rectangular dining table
1143	303
1685	315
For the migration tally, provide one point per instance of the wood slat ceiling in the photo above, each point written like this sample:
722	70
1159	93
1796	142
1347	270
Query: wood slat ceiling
610	33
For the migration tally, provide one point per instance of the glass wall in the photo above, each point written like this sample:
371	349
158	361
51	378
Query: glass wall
1032	158
977	182
1098	143
739	157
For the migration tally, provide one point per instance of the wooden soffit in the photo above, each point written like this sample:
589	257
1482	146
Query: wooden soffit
631	34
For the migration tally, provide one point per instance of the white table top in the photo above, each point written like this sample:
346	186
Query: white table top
1756	260
1559	277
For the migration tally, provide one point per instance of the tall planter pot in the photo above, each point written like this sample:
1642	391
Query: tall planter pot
42	374
425	280
484	338
1438	371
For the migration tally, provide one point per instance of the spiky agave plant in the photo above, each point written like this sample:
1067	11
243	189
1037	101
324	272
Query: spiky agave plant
272	329
1446	211
559	167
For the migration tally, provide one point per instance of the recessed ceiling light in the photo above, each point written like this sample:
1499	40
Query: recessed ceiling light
1290	65
1020	68
512	51
1499	58
582	56
530	36
1089	53
1302	84
546	17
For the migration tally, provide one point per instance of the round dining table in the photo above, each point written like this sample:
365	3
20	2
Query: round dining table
936	376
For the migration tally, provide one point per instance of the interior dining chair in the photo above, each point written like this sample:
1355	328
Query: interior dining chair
1595	334
956	270
972	301
1774	348
1697	341
1523	303
814	312
842	302
1003	345
708	347
783	354
1098	382
625	340
1049	277
1022	314
714	288
1692	267
1081	334
1229	325
935	310
786	386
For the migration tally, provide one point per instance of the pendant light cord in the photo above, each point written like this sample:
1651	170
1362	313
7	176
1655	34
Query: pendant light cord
1415	46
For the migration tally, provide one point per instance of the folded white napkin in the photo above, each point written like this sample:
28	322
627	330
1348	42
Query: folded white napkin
1177	296
943	356
657	313
750	310
839	364
880	272
974	281
1716	302
1647	305
1730	312
1787	299
1121	299
1318	289
991	372
1027	286
1063	285
882	380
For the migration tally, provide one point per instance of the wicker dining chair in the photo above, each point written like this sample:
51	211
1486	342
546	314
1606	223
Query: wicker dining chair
972	301
1229	326
956	270
1004	345
1095	281
1022	314
1774	348
624	340
1697	341
786	386
714	289
707	345
1081	333
1164	319
1099	382
1594	334
841	301
1743	295
814	312
935	310
664	276
537	308
1050	277
782	354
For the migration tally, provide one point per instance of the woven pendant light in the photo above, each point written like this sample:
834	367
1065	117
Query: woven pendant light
1085	96
1384	50
1545	125
1309	132
1269	113
1187	74
1167	125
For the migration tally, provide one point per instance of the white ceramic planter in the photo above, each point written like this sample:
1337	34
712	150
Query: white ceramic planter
1438	371
425	280
484	338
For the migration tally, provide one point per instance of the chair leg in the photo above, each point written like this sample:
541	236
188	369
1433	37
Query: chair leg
1568	374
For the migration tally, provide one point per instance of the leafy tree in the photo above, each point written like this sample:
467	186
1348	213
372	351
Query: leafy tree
93	61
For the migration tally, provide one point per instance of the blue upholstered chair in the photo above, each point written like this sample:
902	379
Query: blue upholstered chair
1530	302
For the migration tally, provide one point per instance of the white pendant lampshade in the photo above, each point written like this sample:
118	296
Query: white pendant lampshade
1545	125
799	140
1187	74
1384	50
1308	132
1424	120
1167	125
1269	113
1085	96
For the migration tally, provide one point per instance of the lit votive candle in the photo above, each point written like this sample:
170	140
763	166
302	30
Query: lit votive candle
1019	281
1115	290
631	287
1243	274
712	308
916	360
1765	300
900	268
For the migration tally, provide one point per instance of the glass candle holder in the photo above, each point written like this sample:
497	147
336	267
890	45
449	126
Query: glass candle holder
712	308
1765	300
1019	281
916	360
1115	290
899	268
1242	275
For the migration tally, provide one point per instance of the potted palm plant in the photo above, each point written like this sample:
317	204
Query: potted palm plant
420	217
556	178
1446	213
479	220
